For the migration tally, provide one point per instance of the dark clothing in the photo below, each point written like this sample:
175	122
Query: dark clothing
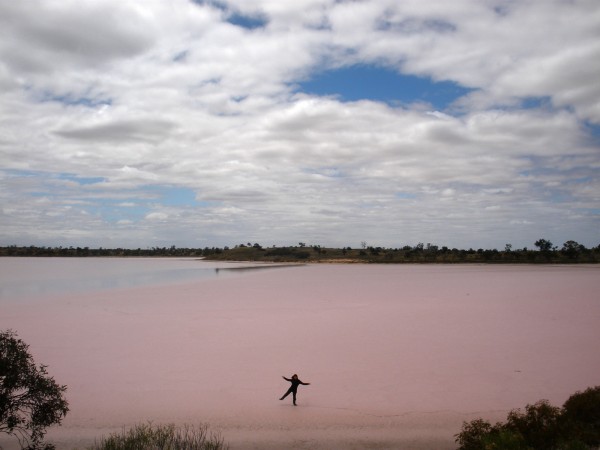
295	382
293	388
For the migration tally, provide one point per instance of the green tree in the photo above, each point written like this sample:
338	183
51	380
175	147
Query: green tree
575	426
473	434
572	249
544	245
30	400
582	416
539	424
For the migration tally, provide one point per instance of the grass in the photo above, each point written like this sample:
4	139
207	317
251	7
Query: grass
163	437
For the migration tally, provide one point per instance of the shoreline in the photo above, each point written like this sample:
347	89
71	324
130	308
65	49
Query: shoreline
410	430
571	253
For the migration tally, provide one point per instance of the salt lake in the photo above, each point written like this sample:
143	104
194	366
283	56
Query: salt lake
397	355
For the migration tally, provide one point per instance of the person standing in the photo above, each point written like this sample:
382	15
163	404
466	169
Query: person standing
293	388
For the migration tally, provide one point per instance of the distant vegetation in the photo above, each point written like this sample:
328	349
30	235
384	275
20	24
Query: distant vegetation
544	252
575	426
162	437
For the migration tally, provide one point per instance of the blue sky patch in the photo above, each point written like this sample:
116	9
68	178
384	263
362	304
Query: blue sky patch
330	172
175	196
382	85
71	100
594	131
135	207
94	195
247	22
44	176
413	26
536	102
80	180
19	173
181	56
214	3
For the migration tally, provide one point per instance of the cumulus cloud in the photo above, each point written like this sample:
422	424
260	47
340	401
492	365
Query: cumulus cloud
59	36
204	96
120	131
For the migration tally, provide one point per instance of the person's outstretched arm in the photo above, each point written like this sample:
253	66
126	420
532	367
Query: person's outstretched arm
286	379
305	384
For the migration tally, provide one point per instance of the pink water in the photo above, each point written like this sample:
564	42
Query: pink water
397	356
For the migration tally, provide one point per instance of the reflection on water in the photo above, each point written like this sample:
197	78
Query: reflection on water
254	267
37	277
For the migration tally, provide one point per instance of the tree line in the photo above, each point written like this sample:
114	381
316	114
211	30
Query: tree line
543	252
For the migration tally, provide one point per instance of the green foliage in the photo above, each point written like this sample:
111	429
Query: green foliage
544	245
162	437
473	433
503	439
30	400
479	434
582	416
541	426
571	253
572	249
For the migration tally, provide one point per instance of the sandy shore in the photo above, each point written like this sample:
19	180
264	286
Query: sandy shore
397	356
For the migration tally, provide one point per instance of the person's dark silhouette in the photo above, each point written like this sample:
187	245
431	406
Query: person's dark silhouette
293	388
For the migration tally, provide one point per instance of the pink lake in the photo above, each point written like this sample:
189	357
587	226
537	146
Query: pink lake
398	356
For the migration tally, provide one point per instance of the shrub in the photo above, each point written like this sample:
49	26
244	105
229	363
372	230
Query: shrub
479	434
162	437
503	439
30	400
582	416
473	434
540	426
302	255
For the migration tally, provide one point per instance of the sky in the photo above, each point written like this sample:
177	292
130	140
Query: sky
468	124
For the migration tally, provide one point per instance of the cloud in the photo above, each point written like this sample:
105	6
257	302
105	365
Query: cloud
59	35
203	101
528	49
125	130
157	216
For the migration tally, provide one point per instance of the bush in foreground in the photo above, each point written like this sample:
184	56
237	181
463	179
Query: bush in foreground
162	437
30	399
581	413
575	426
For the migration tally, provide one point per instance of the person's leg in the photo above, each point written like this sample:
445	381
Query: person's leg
289	391
294	395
